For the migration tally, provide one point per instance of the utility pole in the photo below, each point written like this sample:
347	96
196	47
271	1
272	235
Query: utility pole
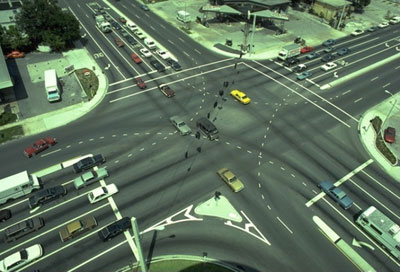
136	234
341	16
252	33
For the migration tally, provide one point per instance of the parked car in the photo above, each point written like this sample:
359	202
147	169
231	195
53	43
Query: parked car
157	65
329	66
306	49
329	42
131	26
5	215
329	49
373	28
77	227
118	42
357	32
108	18
144	7
343	51
336	194
146	52
229	178
39	146
180	125
140	83
114	229
23	228
21	258
122	20
300	68
136	58
383	24
47	195
312	55
291	61
102	192
394	20
163	54
139	34
15	55
115	25
131	40
87	163
304	75
90	177
241	97
166	90
389	135
174	64
328	57
124	33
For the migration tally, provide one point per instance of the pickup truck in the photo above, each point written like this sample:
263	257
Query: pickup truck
336	194
166	90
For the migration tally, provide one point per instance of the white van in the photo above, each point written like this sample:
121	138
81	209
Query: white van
150	43
131	26
17	185
183	16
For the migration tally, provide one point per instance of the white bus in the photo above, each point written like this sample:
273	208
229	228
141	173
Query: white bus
382	229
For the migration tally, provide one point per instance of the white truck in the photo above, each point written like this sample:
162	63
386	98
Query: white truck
102	24
17	185
289	51
183	16
51	85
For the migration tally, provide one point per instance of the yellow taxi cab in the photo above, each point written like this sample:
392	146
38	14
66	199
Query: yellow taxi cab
241	96
230	179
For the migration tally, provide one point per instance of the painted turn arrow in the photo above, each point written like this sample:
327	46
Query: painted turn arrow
361	243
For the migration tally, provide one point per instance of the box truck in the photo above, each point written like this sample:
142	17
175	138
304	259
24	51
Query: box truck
183	16
52	86
289	51
17	185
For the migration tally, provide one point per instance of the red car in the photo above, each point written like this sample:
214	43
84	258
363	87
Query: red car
15	55
122	20
118	42
39	146
141	84
306	49
136	58
166	90
390	135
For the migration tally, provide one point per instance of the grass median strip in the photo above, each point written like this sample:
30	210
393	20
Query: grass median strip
183	266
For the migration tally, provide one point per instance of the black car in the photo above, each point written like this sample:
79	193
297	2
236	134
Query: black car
131	40
174	64
114	229
46	196
157	65
5	215
88	163
144	7
343	51
328	57
115	25
291	62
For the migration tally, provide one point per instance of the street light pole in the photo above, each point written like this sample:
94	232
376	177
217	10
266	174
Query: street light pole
136	234
391	109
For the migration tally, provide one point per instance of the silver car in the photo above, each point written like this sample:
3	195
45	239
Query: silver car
180	125
90	177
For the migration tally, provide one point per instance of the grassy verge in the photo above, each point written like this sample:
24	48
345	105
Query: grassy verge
183	266
10	133
380	143
184	29
7	117
89	81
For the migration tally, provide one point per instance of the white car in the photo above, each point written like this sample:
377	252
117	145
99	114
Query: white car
102	193
131	26
163	54
145	52
329	66
357	32
395	20
150	43
21	258
383	25
139	34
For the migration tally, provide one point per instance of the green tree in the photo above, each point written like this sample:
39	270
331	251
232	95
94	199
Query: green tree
44	22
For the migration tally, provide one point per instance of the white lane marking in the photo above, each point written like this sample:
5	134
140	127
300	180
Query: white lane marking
291	232
340	181
182	71
152	27
170	41
52	152
355	101
197	51
346	92
162	26
305	98
186	53
375	78
181	39
384	86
